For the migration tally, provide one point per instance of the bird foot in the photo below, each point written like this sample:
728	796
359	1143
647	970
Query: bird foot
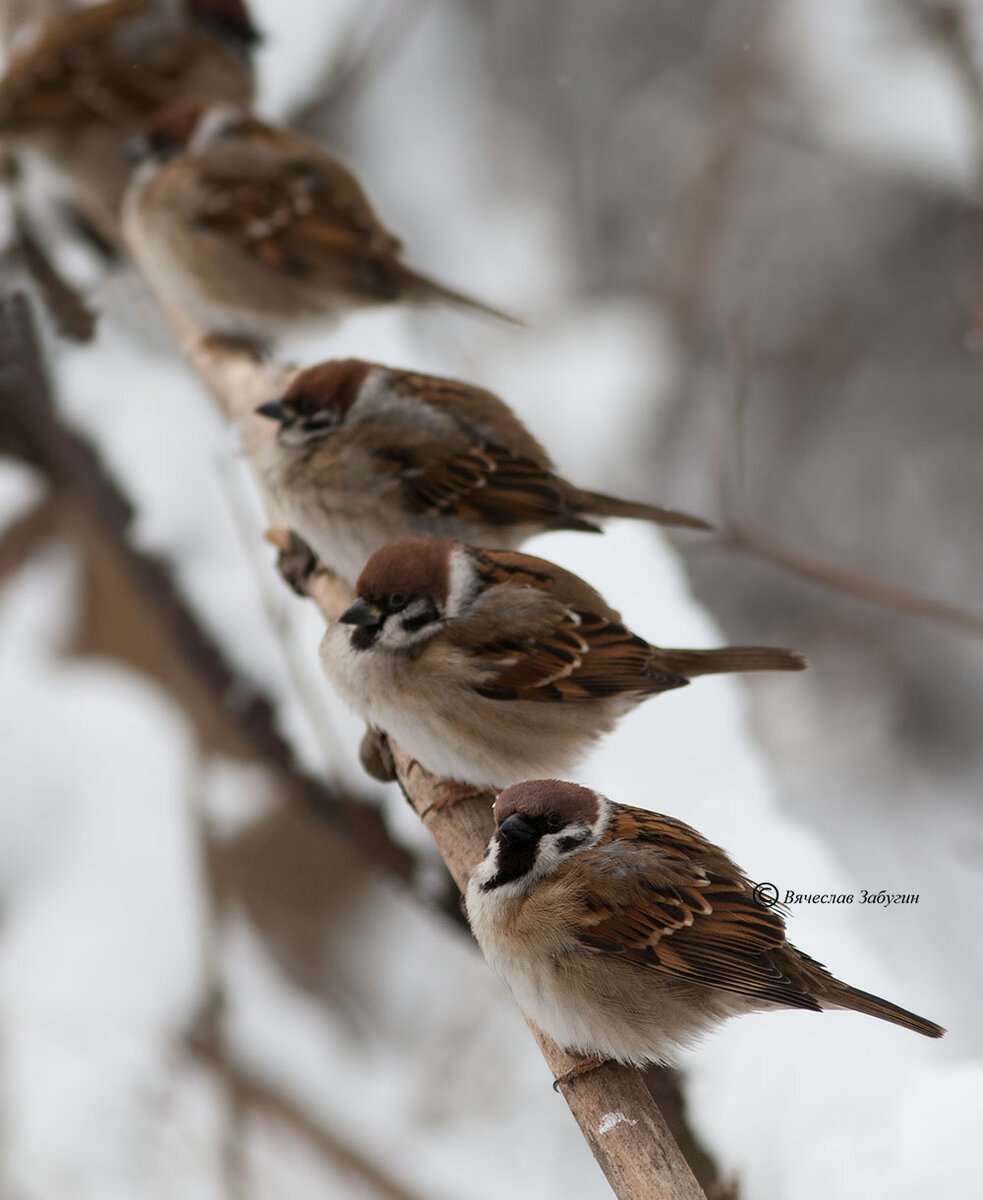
583	1067
449	792
236	343
295	560
376	756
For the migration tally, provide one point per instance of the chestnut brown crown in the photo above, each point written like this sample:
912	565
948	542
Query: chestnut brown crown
333	385
548	797
413	567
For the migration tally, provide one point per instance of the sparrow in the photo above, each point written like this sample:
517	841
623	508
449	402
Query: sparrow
490	667
624	934
96	75
253	230
365	455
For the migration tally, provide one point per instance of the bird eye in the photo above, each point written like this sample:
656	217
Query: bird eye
397	601
554	822
304	406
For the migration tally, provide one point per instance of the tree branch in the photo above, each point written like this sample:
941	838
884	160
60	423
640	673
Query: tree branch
735	534
618	1116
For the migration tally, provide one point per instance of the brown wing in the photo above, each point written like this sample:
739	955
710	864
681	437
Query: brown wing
659	895
569	645
490	485
475	461
299	210
57	79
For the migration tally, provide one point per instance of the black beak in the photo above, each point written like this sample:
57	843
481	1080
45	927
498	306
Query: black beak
362	614
275	410
516	831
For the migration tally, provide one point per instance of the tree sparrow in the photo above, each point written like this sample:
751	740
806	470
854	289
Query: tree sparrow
624	934
253	230
490	667
366	455
96	75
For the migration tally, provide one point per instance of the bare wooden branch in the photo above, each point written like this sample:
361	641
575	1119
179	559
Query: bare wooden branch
618	1116
356	62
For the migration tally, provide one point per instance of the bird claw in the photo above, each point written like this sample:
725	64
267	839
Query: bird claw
295	560
449	792
376	756
236	343
583	1067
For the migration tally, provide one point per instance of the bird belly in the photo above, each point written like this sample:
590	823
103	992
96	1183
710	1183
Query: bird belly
429	707
598	1006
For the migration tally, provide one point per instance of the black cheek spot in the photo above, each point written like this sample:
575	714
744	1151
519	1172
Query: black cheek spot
566	844
364	636
427	617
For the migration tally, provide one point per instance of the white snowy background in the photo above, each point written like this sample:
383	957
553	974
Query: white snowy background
417	1061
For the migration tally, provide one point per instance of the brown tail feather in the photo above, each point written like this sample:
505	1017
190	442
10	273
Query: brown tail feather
853	998
598	505
422	288
731	658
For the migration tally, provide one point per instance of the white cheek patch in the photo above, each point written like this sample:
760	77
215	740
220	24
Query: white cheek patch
461	581
213	123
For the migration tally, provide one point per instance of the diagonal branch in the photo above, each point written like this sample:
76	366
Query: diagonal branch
736	534
617	1114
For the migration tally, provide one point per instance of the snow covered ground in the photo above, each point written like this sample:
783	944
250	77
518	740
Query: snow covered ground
105	931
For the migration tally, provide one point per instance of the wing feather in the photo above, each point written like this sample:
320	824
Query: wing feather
689	913
571	647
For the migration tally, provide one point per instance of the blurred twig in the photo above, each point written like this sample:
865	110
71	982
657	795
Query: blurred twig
21	537
947	25
252	1096
72	316
356	62
736	534
247	1094
29	427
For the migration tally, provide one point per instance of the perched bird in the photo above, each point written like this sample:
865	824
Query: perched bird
365	455
490	667
253	230
96	75
624	934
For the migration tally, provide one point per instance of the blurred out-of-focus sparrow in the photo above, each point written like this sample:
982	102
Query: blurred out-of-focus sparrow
253	231
624	934
490	667
366	455
96	75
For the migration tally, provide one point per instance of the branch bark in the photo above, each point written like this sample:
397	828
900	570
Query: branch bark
618	1117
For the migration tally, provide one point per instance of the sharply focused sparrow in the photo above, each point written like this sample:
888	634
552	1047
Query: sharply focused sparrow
490	667
625	934
96	75
366	455
253	230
